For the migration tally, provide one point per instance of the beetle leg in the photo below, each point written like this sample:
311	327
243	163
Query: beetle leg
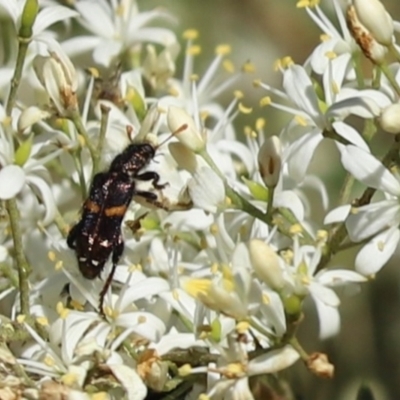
151	176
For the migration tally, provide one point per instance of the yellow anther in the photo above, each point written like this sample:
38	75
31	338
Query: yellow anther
248	67
266	299
243	109
69	379
381	245
21	318
173	91
59	265
42	321
185	370
214	229
52	256
76	305
322	235
99	396
61	310
296	229
94	72
194	77
242	327
257	83
238	94
228	66
260	124
287	62
142	319
49	361
330	55
175	294
223	49
228	201
190	34
194	50
324	37
265	101
303	3
335	88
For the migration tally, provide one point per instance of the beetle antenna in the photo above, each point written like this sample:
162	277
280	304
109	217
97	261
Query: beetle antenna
179	130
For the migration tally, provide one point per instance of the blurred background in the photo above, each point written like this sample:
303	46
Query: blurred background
367	350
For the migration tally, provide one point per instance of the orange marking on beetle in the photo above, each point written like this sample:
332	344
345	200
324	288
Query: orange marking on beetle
116	211
91	206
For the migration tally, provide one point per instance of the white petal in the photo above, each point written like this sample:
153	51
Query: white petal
338	214
338	277
97	18
350	134
289	199
143	324
329	320
301	153
324	294
106	51
130	380
162	36
374	255
46	196
79	45
273	361
368	220
12	180
300	89
367	169
50	15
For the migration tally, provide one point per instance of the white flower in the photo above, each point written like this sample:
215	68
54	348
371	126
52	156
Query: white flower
379	220
116	28
312	119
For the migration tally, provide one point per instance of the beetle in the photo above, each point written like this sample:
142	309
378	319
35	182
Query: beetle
97	235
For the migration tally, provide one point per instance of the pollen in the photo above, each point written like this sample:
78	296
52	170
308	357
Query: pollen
242	327
300	120
61	310
42	321
59	265
228	66
214	229
295	229
234	370
223	49
21	318
193	50
243	109
324	37
185	370
265	101
49	361
76	305
260	124
51	256
331	55
69	379
248	67
190	34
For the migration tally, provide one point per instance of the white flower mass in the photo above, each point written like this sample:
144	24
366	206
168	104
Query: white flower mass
217	273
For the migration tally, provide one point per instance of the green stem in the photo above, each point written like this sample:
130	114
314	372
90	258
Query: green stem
77	120
388	73
299	348
23	267
270	202
16	79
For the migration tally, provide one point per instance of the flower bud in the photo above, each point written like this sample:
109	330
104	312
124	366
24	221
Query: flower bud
373	15
270	161
369	46
58	76
28	18
185	158
190	137
390	119
31	116
266	264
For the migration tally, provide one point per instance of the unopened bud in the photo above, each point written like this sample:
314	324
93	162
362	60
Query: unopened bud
185	158
28	18
266	264
369	46
373	15
390	119
270	161
190	137
31	116
319	365
58	76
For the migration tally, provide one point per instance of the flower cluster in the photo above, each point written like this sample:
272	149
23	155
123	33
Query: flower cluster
218	263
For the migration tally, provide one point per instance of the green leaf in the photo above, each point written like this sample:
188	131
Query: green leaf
24	151
258	191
